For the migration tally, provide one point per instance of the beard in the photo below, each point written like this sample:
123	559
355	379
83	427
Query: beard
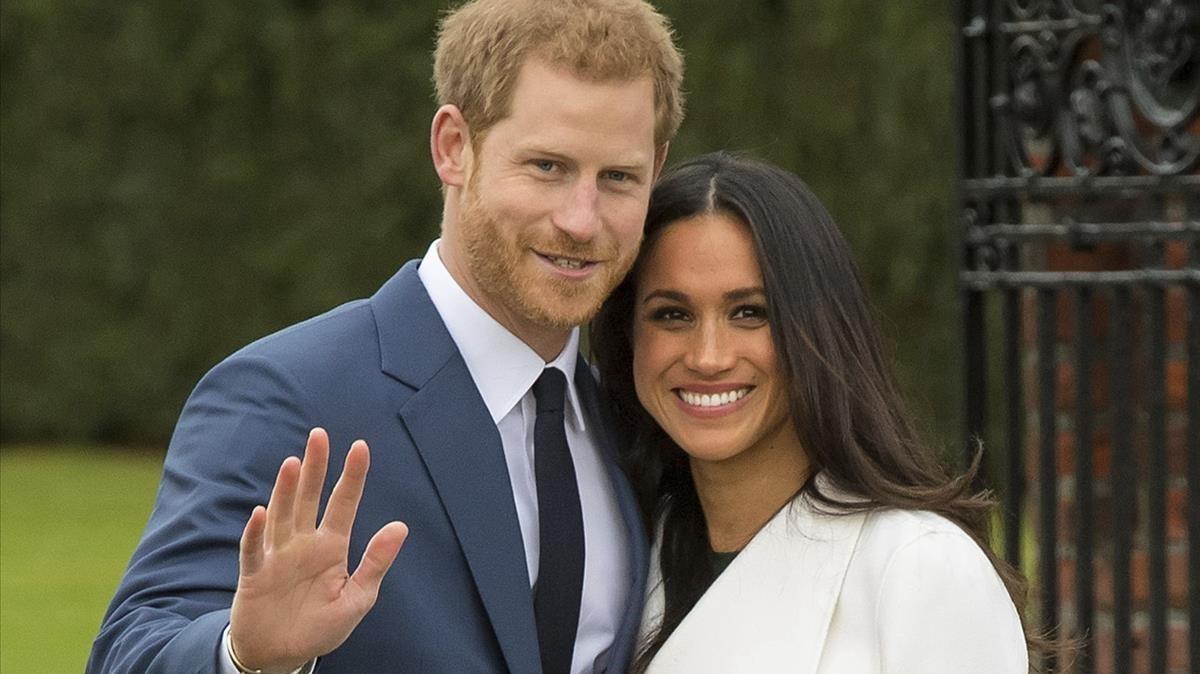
503	265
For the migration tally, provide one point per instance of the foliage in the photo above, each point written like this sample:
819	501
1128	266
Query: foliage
69	518
854	96
181	178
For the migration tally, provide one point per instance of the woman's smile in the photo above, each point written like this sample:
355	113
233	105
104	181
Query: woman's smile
704	361
696	400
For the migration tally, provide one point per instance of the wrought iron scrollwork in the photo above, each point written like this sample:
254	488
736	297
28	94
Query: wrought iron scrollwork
1080	223
1101	88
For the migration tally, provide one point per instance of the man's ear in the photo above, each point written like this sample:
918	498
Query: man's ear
660	158
450	145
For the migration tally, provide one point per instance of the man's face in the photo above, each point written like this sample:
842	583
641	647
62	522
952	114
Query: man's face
552	213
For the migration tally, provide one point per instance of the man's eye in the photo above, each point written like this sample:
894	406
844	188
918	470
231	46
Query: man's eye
617	176
544	165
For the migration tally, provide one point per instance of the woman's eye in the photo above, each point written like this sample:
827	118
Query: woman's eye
750	313
668	315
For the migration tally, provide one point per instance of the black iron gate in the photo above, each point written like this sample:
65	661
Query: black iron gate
1080	195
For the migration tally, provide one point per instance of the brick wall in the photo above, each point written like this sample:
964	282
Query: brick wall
1176	255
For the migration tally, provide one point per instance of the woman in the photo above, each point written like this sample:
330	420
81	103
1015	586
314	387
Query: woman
800	524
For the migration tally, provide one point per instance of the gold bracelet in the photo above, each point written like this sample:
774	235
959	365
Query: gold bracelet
238	663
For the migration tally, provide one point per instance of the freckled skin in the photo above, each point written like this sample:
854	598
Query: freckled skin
567	173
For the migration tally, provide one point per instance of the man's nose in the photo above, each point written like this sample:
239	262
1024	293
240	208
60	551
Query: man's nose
579	215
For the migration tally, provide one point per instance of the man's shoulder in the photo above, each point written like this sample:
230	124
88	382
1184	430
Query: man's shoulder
353	321
349	327
312	355
345	339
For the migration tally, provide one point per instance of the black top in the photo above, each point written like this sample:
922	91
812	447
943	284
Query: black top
720	560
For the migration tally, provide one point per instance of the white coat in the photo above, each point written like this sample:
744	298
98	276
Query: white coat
885	592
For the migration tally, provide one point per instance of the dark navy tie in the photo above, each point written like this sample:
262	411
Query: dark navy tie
559	586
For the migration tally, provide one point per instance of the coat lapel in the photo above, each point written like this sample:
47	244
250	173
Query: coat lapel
771	608
622	648
461	449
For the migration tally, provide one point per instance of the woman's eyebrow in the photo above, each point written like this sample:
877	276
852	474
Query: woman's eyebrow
744	293
732	296
673	295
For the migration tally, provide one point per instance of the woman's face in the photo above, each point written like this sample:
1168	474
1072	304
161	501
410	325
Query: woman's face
704	361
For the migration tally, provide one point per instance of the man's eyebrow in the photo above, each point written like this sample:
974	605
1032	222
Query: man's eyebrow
630	163
629	166
543	152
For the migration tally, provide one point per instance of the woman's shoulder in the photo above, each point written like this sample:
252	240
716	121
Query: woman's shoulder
913	557
898	527
886	529
924	580
891	533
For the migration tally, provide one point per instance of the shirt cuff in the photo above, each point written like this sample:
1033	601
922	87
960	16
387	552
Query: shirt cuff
225	662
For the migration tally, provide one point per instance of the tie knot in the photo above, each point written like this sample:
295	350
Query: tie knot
550	390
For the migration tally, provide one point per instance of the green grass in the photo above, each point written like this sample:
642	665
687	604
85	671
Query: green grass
69	519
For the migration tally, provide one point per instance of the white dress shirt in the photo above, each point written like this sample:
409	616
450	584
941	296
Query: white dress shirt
504	369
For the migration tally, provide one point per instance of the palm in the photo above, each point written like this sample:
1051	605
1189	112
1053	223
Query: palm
295	598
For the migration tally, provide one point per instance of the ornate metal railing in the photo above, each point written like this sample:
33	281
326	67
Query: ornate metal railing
1080	196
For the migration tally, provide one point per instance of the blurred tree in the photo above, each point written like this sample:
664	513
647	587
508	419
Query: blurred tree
855	96
180	179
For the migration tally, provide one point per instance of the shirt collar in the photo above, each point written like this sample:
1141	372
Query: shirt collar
504	368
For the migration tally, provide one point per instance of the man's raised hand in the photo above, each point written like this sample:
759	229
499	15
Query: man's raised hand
295	599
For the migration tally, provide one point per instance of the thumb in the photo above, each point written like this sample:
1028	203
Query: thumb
377	559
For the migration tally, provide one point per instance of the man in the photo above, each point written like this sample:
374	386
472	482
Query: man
554	121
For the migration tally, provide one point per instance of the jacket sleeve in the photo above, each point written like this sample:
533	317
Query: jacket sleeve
942	609
242	420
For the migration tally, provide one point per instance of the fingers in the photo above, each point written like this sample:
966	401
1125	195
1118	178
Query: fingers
280	509
312	479
343	503
250	550
377	559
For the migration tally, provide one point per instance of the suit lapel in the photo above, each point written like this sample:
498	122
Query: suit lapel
622	648
771	608
461	449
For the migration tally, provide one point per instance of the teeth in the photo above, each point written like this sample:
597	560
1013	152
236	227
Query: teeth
566	262
712	399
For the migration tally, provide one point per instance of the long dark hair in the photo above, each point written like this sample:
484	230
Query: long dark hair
848	412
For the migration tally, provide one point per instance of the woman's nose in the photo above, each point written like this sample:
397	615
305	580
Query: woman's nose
710	351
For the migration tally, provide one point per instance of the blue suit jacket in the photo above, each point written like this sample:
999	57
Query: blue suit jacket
385	370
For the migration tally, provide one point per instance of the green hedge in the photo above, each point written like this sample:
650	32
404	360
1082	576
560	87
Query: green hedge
178	179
